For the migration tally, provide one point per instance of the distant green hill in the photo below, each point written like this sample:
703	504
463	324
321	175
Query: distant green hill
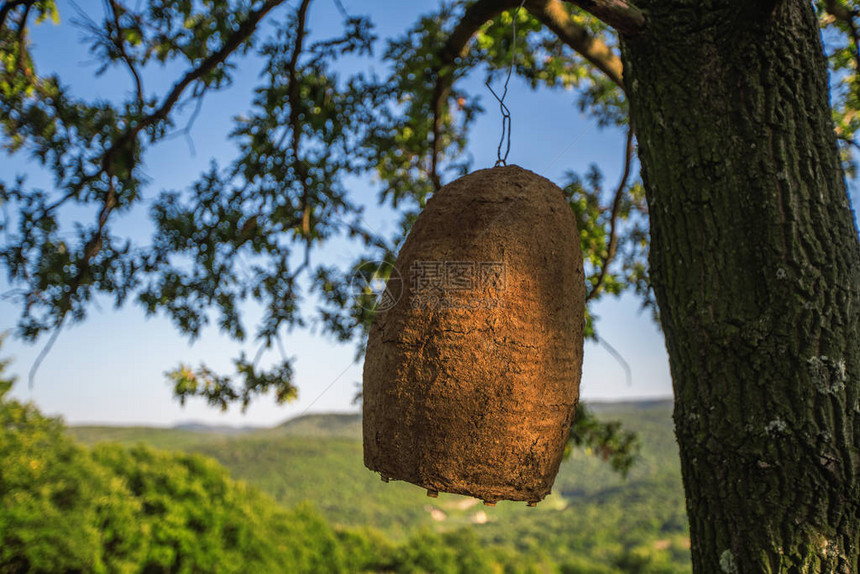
592	512
342	425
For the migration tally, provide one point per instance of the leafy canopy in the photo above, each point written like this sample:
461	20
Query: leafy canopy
244	231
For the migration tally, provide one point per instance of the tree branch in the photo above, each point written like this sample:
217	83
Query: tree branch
295	124
621	15
838	10
119	42
125	143
236	39
848	141
457	46
22	37
612	245
8	7
842	12
552	14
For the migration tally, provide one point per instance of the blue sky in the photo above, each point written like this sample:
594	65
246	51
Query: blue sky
110	369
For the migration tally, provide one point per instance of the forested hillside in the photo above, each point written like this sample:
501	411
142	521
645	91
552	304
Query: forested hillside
297	498
594	519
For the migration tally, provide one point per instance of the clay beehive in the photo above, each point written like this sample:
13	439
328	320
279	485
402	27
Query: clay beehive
472	377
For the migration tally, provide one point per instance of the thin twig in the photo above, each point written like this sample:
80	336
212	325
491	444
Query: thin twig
119	42
187	129
612	245
848	141
259	355
31	378
295	124
281	347
22	36
628	372
325	390
341	9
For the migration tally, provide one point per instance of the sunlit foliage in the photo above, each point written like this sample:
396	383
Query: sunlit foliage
245	231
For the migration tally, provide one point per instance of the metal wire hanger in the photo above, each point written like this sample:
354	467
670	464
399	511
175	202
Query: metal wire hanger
505	140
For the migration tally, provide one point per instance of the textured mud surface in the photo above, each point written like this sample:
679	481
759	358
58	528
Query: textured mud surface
471	379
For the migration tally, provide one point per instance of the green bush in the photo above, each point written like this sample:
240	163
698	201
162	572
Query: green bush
64	508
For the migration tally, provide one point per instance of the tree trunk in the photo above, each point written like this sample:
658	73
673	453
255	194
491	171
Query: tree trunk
755	262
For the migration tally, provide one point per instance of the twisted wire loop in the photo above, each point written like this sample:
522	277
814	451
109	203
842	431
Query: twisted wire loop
505	140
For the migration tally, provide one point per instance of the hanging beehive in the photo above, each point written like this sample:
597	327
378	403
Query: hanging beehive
471	379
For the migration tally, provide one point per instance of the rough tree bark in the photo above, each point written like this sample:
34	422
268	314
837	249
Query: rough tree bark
755	262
